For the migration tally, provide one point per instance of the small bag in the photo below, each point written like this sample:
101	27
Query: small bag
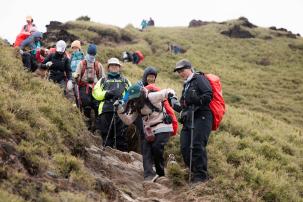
149	134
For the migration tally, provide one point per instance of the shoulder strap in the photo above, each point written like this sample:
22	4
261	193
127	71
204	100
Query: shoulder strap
152	106
84	65
96	63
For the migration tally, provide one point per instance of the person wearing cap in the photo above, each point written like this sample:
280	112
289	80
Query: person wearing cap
59	66
28	50
87	74
149	107
107	90
196	95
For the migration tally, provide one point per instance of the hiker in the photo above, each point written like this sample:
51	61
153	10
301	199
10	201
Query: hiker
134	57
59	67
157	129
151	22
87	74
28	50
196	96
29	25
107	90
149	80
143	24
76	57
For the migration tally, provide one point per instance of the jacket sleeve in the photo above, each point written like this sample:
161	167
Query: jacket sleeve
46	59
160	96
26	42
68	69
98	92
205	90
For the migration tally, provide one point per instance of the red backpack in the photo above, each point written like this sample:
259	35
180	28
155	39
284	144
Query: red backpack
217	104
90	76
169	110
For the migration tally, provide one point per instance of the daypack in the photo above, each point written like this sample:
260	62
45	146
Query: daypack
217	104
91	73
20	38
169	110
140	56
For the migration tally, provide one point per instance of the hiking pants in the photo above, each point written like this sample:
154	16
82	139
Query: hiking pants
202	129
103	123
28	61
152	153
88	104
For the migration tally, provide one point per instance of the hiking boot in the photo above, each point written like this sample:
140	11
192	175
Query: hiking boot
151	178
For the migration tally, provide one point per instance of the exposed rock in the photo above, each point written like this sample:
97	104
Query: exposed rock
237	32
197	23
246	23
282	32
52	37
54	25
263	62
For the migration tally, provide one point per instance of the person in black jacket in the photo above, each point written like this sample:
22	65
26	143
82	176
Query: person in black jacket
196	95
59	66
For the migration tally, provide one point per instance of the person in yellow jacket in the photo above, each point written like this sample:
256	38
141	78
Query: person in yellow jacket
107	90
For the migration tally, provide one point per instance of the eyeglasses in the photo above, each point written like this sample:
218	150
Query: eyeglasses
180	70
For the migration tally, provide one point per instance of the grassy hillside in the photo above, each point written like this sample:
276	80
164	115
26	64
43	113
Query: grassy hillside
41	135
255	156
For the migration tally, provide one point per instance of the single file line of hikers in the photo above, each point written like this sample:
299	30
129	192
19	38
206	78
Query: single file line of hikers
110	102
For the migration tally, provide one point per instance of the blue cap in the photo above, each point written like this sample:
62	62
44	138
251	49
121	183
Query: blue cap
92	49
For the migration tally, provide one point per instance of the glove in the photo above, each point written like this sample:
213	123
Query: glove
111	94
69	85
21	52
48	64
75	75
118	103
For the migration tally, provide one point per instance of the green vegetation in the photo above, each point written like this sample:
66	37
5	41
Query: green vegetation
255	156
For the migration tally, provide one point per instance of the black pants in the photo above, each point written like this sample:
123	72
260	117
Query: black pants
120	139
153	154
29	61
202	124
88	104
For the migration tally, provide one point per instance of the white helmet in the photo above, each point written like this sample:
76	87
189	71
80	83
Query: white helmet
60	46
113	61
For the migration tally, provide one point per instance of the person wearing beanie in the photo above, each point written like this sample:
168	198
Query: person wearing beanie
28	50
87	74
148	106
77	55
59	67
107	90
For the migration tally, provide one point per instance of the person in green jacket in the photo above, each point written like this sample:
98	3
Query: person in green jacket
107	90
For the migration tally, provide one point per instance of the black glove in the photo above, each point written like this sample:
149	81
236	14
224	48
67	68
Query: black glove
110	94
193	98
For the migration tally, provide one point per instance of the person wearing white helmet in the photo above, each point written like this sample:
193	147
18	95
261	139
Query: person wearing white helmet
59	66
107	90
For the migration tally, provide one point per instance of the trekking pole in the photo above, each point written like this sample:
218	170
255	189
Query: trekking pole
192	127
110	126
115	133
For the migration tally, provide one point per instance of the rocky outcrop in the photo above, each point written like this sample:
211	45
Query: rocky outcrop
237	32
57	31
197	23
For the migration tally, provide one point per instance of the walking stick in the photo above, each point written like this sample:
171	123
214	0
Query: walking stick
110	126
192	127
